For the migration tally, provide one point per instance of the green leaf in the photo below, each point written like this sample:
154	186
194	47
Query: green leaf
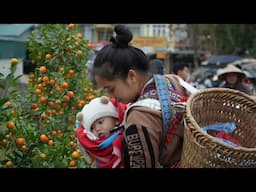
16	78
19	153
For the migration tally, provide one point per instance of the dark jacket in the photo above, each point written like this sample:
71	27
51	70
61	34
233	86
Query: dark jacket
239	86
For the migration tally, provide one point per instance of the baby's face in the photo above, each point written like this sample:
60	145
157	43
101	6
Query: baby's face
102	127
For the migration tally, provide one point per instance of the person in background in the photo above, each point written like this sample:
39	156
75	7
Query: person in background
208	82
182	70
249	82
232	78
156	66
123	71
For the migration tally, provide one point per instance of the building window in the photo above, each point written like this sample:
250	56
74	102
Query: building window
159	32
164	32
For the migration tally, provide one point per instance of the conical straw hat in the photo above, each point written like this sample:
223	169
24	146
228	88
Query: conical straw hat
230	69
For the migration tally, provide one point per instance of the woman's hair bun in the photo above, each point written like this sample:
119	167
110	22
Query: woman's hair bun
122	36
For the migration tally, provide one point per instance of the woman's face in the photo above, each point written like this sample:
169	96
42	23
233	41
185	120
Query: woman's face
232	78
123	91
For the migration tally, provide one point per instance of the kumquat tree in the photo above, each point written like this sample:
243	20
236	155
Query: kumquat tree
37	129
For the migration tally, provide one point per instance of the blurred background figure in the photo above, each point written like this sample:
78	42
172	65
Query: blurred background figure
182	70
156	66
250	82
92	56
208	81
232	78
253	86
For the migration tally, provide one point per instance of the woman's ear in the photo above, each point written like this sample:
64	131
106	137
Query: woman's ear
79	116
132	75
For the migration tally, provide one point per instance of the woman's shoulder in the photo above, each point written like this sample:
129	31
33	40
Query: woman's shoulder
174	80
143	108
145	105
147	102
140	115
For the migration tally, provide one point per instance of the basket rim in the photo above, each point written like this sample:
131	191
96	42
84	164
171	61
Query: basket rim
198	128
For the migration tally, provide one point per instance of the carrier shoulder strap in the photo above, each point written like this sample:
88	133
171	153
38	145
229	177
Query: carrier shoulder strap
164	99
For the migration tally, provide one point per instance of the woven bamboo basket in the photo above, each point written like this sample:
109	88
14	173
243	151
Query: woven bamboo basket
200	149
